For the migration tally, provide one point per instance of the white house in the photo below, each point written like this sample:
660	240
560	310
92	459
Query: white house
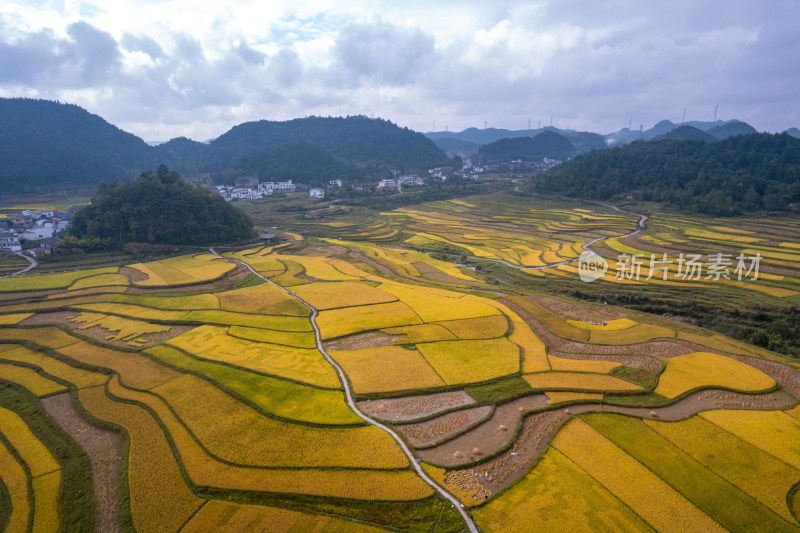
9	241
410	180
317	193
42	230
387	184
335	183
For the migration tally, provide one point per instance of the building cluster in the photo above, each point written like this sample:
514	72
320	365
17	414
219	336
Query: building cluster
249	188
42	226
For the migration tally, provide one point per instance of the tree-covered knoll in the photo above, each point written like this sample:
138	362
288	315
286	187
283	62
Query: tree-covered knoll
547	144
159	207
744	173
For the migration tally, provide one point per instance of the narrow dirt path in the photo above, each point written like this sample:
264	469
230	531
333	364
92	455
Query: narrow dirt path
30	260
349	397
102	447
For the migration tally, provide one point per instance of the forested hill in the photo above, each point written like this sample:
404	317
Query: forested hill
159	207
744	173
359	140
546	144
45	144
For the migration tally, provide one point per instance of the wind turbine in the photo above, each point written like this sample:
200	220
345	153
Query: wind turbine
715	112
684	115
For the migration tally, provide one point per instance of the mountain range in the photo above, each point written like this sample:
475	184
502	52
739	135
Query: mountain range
45	144
470	140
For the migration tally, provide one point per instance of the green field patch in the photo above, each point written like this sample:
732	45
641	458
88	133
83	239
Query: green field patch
78	377
724	502
282	323
237	433
556	495
174	303
472	361
302	339
303	365
282	398
29	379
50	281
101	280
132	311
752	470
135	370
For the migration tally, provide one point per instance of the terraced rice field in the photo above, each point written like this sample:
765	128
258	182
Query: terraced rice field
536	413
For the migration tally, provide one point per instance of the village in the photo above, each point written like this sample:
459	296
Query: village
251	188
32	227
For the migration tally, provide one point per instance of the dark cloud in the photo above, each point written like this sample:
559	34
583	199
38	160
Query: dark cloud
87	57
142	43
383	52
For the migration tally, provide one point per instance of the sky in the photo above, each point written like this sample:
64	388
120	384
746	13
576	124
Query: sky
168	68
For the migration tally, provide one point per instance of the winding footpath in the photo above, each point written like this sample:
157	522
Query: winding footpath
350	403
31	260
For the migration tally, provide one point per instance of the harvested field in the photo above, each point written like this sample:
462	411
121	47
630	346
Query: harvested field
488	437
413	407
159	497
430	432
538	428
420	333
373	339
102	447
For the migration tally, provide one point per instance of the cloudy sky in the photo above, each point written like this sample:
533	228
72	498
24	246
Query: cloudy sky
163	68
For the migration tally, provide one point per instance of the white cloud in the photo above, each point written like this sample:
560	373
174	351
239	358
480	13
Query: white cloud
165	68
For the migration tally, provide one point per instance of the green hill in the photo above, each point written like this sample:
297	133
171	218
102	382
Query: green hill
546	144
45	144
743	173
48	144
357	140
160	208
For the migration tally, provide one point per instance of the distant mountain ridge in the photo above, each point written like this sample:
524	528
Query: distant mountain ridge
454	142
45	144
